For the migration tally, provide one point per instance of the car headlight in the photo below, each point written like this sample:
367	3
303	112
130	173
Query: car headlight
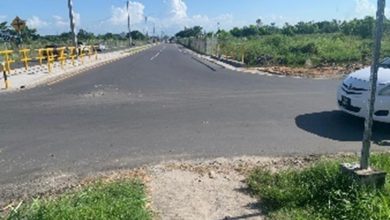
385	91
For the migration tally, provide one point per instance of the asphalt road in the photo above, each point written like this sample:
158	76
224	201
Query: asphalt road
165	104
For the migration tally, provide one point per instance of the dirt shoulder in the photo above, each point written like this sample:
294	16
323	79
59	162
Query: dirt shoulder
197	189
325	72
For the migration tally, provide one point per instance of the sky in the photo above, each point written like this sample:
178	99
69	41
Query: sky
170	16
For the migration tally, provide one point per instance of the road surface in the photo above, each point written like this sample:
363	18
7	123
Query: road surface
166	104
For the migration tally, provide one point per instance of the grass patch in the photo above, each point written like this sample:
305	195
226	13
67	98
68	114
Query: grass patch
318	49
321	192
117	200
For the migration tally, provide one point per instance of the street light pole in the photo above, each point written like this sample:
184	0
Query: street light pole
129	24
364	161
72	23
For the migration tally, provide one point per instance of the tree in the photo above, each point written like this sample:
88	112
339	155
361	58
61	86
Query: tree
359	27
250	31
190	32
65	37
288	29
236	32
328	26
5	32
259	23
28	34
306	28
137	35
85	35
209	34
4	27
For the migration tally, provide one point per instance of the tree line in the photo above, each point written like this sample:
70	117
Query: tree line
357	27
8	34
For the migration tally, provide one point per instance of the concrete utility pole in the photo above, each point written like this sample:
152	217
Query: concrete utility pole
146	25
364	161
217	39
72	23
129	24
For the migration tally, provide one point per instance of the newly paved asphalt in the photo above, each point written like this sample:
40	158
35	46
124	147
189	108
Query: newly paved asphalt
158	106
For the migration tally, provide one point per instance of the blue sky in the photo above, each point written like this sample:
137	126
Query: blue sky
101	16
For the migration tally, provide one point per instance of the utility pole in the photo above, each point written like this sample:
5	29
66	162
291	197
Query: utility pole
364	161
217	40
72	23
129	24
146	25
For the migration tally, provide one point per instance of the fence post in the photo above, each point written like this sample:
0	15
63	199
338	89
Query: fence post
25	59
7	60
81	55
61	56
40	56
72	54
50	58
5	76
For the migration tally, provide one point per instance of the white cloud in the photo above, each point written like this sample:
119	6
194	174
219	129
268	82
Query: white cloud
77	19
178	18
3	17
365	8
368	8
178	10
36	22
119	14
60	22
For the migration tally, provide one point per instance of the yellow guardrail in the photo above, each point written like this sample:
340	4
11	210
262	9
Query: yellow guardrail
96	54
50	55
72	54
5	77
62	56
25	57
81	55
7	54
90	51
41	56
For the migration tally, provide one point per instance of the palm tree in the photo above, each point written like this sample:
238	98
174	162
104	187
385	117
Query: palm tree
259	23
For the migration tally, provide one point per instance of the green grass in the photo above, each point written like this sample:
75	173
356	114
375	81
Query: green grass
118	200
298	50
321	192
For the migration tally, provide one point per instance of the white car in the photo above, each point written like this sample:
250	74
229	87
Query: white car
352	95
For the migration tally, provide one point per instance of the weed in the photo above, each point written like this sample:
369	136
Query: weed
321	191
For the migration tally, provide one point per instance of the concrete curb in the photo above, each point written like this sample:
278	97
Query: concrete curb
235	66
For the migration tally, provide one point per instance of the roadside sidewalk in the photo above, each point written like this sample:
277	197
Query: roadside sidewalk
36	75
